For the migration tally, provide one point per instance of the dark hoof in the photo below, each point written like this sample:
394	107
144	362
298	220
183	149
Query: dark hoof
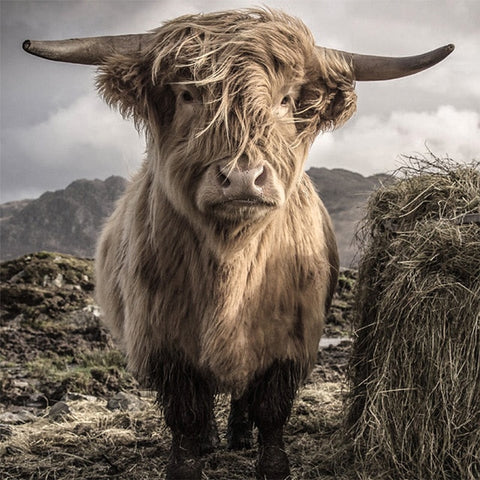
272	464
184	469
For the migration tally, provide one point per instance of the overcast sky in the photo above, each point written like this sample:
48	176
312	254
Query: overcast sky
55	129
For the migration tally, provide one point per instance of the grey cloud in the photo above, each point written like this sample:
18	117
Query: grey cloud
36	93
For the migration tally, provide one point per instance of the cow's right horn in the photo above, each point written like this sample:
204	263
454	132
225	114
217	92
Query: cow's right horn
87	51
371	67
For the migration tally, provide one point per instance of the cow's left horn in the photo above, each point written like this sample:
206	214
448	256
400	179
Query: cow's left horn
87	51
370	67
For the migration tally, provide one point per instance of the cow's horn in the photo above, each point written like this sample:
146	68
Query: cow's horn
87	51
370	67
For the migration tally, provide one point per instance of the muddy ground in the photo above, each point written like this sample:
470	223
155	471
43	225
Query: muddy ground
69	409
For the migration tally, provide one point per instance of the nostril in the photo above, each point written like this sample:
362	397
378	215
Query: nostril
222	178
261	179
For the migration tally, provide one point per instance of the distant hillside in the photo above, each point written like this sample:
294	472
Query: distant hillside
69	220
65	221
9	209
345	194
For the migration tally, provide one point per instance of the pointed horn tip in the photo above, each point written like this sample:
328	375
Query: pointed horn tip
445	51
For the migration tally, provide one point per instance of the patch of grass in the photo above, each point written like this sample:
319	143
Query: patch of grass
41	322
96	372
5	362
51	366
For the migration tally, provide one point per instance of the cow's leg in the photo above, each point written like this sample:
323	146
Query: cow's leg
239	433
271	404
187	399
211	440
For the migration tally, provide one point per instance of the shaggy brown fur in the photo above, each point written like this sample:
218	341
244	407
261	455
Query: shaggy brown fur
187	282
227	296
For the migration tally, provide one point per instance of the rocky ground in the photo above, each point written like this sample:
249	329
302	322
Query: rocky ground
69	409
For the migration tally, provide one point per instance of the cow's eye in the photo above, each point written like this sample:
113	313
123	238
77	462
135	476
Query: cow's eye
186	96
285	106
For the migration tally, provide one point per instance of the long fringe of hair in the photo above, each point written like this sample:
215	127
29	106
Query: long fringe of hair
232	57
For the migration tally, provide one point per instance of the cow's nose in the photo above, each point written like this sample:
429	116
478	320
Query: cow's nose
238	180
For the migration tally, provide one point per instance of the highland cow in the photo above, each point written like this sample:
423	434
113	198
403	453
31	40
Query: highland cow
218	266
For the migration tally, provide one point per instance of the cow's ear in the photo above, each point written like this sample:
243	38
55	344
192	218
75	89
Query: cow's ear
340	104
335	86
327	99
124	82
323	107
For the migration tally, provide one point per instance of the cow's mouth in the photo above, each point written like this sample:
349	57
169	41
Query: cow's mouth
243	202
241	207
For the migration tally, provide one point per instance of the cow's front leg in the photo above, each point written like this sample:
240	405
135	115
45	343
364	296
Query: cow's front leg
271	404
187	400
239	433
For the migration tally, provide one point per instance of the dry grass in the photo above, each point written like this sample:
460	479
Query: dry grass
93	443
89	443
414	411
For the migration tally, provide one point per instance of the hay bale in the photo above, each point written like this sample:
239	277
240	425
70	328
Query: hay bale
414	408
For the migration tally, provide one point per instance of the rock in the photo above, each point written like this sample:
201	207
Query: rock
37	400
93	309
58	282
18	277
83	318
17	418
126	402
20	384
59	411
49	281
73	396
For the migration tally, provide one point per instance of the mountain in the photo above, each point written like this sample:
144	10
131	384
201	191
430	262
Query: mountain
345	195
64	221
69	220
